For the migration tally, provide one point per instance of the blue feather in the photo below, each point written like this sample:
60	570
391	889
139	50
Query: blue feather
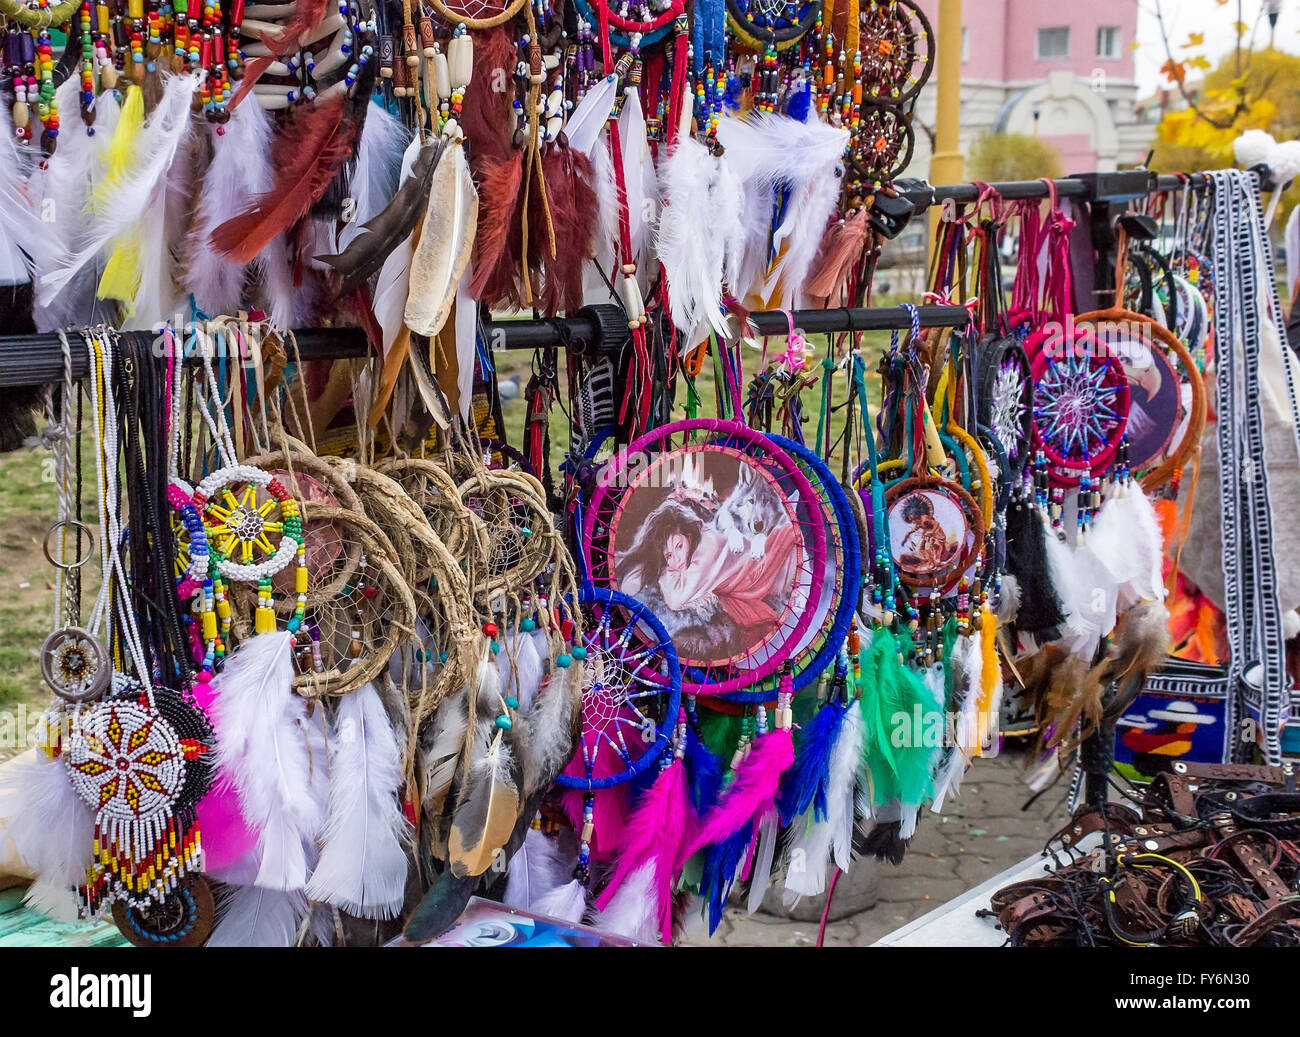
805	783
800	103
721	862
704	769
735	89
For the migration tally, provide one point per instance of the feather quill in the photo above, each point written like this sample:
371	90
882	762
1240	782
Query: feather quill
363	863
446	241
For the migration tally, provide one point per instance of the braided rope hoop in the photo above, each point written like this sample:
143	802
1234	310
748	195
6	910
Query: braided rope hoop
1190	443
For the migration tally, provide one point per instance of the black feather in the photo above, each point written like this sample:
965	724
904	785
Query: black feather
1040	609
366	252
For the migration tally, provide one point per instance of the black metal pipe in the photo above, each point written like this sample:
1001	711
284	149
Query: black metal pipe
38	359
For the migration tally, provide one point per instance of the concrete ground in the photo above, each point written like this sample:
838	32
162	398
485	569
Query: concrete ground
980	834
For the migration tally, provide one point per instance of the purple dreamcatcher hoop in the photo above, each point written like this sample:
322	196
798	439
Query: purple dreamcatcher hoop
708	523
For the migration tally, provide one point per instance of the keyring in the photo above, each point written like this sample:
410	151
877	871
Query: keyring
81	528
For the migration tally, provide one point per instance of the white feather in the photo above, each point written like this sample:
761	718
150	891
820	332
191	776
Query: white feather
117	205
389	303
811	851
63	190
55	902
25	240
568	903
1125	541
264	745
760	875
632	912
441	745
605	187
638	173
363	864
256	917
384	140
240	170
590	116
275	278
537	868
466	340
769	152
51	826
700	224
529	672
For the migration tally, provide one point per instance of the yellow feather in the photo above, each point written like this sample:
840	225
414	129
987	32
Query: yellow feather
121	148
121	277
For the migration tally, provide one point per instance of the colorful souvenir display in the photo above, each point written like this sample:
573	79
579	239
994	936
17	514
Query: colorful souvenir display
365	648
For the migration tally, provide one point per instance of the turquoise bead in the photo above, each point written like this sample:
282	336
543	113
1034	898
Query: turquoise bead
512	702
562	661
505	723
579	652
528	625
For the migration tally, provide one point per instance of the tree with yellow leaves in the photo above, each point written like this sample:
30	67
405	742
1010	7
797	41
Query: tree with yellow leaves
1265	95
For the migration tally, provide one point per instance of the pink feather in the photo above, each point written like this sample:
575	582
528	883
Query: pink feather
225	834
752	795
655	833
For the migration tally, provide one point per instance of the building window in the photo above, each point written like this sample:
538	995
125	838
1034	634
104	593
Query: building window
965	44
1053	43
1108	42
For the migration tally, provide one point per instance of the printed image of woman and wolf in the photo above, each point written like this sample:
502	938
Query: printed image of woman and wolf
720	568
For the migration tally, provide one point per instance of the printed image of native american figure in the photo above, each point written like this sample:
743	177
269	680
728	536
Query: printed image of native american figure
927	532
713	551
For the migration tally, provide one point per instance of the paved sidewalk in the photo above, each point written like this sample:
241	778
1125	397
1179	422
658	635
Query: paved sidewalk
979	834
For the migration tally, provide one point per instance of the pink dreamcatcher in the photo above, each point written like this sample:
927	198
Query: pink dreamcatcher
715	529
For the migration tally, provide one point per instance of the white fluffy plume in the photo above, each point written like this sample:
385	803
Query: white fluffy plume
240	170
631	913
698	236
773	153
363	864
118	202
538	867
51	827
265	744
62	190
24	239
255	917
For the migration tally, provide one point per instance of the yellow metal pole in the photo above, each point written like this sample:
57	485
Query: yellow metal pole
946	164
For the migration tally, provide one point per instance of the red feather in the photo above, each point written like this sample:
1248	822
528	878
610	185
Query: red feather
309	152
485	112
307	15
574	216
498	240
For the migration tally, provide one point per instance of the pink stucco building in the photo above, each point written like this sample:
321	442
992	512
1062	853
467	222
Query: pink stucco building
1062	71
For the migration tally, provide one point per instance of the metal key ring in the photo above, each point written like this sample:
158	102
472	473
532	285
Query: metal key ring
81	528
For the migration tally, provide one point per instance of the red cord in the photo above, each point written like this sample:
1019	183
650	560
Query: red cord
826	911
